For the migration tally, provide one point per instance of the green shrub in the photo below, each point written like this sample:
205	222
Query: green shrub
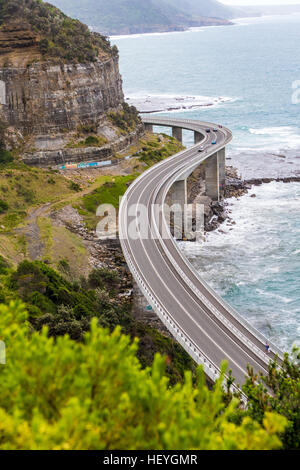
75	186
108	193
154	152
101	278
64	265
3	206
127	119
3	266
94	395
27	194
5	157
61	37
91	140
284	384
43	288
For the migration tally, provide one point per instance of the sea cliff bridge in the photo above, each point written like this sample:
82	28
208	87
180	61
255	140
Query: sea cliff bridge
204	324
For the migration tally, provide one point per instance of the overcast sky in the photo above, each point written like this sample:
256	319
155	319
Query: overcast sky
261	2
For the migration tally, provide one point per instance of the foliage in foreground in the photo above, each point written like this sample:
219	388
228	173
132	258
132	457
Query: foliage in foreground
67	307
69	395
64	307
284	384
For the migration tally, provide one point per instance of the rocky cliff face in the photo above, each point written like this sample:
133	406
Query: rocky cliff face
45	98
46	103
15	38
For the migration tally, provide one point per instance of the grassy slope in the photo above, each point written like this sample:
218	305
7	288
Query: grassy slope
28	192
149	151
30	195
23	187
27	231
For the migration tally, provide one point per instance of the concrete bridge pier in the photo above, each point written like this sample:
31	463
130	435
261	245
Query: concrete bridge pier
222	172
197	137
215	175
178	193
148	127
177	133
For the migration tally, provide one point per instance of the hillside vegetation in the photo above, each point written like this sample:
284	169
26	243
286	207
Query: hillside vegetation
140	16
56	390
67	307
208	8
61	289
58	35
94	395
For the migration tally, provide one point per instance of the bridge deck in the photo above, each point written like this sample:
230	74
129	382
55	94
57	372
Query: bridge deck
206	326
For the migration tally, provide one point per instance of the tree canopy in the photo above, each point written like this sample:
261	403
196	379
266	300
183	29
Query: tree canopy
60	36
62	394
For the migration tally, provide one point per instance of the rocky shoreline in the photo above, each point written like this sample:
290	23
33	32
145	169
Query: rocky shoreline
216	213
108	254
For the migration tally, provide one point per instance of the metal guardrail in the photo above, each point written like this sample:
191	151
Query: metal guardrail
228	307
177	331
210	369
193	124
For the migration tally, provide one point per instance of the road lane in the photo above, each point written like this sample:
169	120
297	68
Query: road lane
157	264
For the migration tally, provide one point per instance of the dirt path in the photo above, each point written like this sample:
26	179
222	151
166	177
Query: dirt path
31	230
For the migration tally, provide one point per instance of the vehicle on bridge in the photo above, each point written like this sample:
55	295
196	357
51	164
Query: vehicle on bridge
205	325
201	149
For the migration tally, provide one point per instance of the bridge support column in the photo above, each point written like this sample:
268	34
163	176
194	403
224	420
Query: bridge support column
178	194
177	133
222	172
215	175
197	137
148	127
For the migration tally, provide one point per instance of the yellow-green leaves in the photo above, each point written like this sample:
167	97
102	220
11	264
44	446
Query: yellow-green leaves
95	395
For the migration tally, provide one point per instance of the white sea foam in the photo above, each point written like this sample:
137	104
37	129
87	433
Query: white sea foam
283	130
162	33
261	251
253	263
150	103
276	138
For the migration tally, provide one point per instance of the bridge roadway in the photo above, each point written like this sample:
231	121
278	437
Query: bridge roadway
203	323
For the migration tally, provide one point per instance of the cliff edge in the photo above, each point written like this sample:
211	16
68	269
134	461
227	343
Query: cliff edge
60	85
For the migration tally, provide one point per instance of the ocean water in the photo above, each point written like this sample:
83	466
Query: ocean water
247	77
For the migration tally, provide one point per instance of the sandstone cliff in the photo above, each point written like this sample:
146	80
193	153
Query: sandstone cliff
48	101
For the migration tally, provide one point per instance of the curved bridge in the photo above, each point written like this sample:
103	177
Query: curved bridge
203	323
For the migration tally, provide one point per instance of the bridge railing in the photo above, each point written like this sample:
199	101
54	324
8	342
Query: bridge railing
176	330
219	299
210	369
